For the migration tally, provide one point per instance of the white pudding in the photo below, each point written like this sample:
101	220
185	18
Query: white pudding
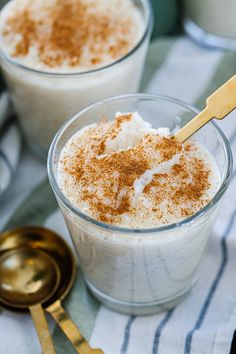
128	174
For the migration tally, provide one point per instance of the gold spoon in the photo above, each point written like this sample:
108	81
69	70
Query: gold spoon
45	241
218	105
25	282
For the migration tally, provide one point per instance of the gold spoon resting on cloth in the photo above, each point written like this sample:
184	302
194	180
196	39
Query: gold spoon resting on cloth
38	269
218	105
26	283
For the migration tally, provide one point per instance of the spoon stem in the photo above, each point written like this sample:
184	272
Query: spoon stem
194	125
41	326
69	328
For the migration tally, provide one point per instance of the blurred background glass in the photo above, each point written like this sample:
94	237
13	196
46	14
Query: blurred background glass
211	22
167	18
166	14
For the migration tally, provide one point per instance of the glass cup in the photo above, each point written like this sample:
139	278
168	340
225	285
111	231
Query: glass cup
44	101
141	271
211	22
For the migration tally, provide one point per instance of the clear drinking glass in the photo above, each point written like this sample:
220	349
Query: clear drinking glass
44	101
211	22
141	271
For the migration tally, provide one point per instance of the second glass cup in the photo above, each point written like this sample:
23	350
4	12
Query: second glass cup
45	100
211	23
141	271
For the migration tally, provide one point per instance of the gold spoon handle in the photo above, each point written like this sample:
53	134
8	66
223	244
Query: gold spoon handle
70	329
41	326
218	105
194	125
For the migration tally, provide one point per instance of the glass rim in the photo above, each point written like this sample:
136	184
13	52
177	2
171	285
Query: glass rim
110	227
148	28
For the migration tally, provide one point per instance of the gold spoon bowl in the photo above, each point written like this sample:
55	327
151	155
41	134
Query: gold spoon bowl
24	277
52	251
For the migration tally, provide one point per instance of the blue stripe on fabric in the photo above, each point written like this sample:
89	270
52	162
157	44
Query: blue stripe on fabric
7	162
158	331
125	344
214	286
232	137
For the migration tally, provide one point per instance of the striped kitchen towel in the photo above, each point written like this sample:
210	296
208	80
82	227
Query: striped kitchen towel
205	322
10	143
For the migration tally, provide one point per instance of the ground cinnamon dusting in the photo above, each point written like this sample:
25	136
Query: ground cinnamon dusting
68	30
168	148
125	167
27	28
106	182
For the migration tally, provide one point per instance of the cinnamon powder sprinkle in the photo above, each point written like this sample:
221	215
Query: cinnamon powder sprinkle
105	183
71	32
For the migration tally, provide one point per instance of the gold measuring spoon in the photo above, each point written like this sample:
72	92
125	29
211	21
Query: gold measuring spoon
46	241
25	283
70	330
218	105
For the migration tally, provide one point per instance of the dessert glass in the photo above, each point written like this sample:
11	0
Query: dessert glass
141	271
211	22
44	100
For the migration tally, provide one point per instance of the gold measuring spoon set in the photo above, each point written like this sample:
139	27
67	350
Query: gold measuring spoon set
37	271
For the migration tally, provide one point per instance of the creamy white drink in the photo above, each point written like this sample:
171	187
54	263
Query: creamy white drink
57	57
125	173
214	17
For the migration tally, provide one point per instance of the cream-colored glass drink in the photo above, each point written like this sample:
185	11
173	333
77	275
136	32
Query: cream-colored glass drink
139	206
58	56
211	22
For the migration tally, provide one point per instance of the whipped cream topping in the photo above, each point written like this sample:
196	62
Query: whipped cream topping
132	128
129	174
71	35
